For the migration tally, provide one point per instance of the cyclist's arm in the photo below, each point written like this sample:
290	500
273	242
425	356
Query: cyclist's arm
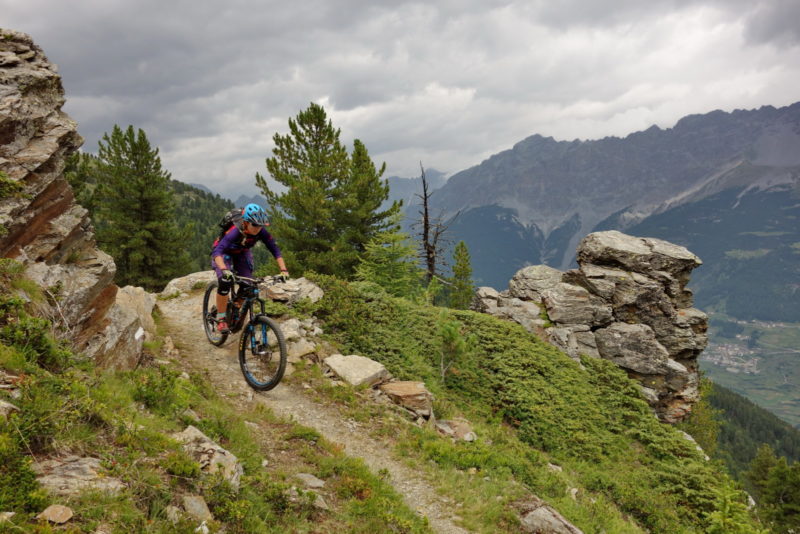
269	241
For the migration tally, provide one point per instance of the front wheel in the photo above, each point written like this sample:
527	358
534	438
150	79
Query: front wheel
262	353
210	316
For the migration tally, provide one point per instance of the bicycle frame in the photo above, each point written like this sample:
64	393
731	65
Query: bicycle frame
246	312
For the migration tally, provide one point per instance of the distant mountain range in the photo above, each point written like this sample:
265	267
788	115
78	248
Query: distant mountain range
533	203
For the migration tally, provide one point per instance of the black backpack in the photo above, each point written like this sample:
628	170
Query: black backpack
233	217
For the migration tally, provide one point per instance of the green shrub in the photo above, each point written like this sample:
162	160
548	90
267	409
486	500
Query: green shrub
180	464
8	187
19	490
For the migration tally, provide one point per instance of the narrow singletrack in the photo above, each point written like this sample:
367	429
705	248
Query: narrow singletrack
182	318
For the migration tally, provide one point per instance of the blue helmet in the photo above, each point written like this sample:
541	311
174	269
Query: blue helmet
255	214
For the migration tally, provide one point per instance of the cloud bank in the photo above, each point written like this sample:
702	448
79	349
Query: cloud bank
446	84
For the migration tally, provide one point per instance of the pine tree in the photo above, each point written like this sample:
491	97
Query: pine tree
463	287
135	203
358	208
330	208
758	474
389	260
780	499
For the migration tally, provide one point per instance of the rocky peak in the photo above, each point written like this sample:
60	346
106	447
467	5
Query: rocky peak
627	303
43	227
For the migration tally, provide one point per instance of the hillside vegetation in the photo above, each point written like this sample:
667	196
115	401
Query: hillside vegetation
590	419
66	406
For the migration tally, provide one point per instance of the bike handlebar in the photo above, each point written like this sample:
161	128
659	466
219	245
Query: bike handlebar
262	280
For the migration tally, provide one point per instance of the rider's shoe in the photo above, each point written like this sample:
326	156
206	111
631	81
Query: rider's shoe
222	327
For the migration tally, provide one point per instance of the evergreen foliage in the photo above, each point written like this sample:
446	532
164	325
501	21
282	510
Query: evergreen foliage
757	475
780	500
137	211
330	208
703	423
389	260
463	287
745	427
80	171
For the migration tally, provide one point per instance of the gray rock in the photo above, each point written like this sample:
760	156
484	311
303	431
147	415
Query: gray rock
56	513
634	347
187	283
196	508
641	255
297	349
294	291
6	408
291	329
211	457
357	370
530	282
309	480
537	517
574	340
573	305
460	429
173	514
411	395
71	475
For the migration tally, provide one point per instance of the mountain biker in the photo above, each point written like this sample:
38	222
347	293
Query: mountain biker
232	252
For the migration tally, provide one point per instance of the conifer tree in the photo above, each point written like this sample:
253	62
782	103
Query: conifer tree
329	209
136	206
758	474
390	261
463	286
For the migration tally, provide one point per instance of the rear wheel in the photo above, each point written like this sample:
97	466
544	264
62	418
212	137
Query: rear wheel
210	316
262	353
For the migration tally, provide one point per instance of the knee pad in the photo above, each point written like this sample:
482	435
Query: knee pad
224	287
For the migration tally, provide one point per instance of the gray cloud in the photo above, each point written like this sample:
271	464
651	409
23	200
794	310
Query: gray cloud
448	83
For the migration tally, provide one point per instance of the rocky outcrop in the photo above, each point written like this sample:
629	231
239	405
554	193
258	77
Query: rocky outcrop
627	303
42	225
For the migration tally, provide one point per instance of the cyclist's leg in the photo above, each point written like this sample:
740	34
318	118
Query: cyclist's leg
243	266
223	289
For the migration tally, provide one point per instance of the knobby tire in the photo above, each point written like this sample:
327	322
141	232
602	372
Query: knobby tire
210	316
262	371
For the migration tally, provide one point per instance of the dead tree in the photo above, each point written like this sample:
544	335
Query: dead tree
432	229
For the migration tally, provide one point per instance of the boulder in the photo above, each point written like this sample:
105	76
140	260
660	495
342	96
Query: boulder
637	254
196	508
634	347
459	429
309	480
56	513
530	282
141	302
627	302
293	291
568	304
411	395
537	517
211	457
71	475
357	370
188	283
297	349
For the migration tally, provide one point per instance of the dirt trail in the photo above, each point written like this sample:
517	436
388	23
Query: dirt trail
182	319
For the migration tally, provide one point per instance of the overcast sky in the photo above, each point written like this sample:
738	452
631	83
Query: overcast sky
448	83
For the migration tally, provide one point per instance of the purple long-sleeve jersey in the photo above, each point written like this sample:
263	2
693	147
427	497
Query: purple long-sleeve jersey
235	242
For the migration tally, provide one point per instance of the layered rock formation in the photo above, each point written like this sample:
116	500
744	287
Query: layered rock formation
627	302
43	227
